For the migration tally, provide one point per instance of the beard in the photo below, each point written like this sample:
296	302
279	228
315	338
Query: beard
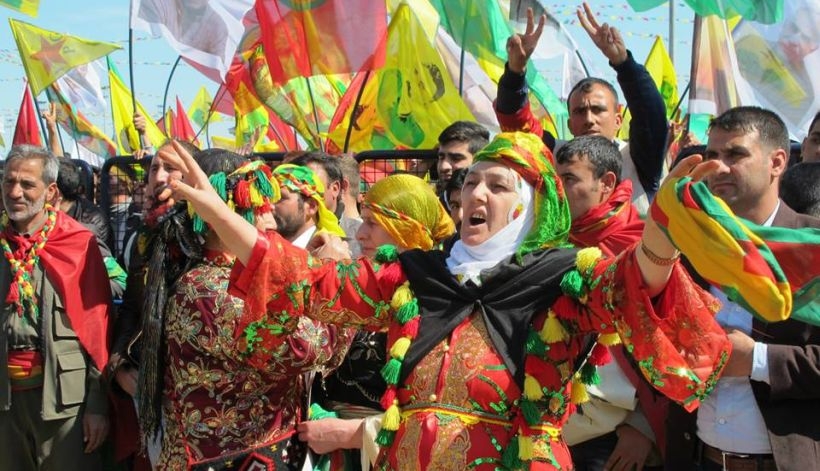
32	209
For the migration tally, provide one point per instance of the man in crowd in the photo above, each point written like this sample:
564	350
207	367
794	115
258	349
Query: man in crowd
764	411
622	425
302	211
456	146
53	411
593	104
800	188
810	148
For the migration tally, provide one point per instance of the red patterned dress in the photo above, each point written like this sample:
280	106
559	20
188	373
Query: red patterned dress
463	404
216	404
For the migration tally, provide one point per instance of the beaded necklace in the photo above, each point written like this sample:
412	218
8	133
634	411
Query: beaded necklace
21	291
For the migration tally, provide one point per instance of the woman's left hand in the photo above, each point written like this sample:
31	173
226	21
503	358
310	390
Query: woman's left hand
326	435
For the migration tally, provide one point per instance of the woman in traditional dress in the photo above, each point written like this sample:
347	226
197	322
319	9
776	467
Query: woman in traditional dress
217	411
490	344
404	213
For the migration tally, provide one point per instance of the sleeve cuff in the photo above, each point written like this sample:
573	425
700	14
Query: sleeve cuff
760	363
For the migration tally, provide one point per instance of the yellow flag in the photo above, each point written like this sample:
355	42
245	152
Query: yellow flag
201	106
122	108
660	68
29	7
408	102
47	55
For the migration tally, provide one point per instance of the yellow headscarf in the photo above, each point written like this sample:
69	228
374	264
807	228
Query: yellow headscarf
303	180
407	208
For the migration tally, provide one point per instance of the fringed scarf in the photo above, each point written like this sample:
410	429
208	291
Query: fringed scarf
613	225
172	249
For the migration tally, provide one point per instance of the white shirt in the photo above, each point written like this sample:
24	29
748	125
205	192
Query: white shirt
304	238
729	419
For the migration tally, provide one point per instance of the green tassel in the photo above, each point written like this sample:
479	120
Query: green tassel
530	411
263	183
390	371
572	284
385	437
249	216
534	344
510	458
408	311
198	224
218	181
589	374
387	253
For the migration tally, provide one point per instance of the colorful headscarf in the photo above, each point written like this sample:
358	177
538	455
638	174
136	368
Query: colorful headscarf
527	155
248	191
407	208
300	179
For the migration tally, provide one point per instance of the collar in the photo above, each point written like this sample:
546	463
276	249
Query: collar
770	220
304	238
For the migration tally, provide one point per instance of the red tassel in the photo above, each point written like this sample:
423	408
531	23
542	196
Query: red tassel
565	308
242	194
599	355
388	397
411	328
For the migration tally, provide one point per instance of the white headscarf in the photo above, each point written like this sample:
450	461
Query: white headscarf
467	262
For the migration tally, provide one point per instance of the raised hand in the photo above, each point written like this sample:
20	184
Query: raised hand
521	46
607	38
50	116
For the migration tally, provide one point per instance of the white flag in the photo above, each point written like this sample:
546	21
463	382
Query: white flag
203	31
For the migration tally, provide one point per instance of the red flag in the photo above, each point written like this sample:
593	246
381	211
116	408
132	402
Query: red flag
182	125
167	123
26	131
321	37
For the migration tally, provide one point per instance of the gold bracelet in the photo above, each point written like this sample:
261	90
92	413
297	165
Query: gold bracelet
657	259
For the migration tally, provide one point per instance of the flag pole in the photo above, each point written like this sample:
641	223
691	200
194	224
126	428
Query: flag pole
60	137
219	94
672	32
165	95
39	113
278	136
353	111
315	113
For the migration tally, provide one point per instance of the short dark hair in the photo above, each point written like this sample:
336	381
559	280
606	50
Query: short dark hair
328	162
747	119
456	181
51	166
188	146
585	85
601	153
800	188
69	180
350	170
475	135
814	121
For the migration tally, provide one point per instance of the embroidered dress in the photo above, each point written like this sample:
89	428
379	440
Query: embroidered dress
215	403
477	391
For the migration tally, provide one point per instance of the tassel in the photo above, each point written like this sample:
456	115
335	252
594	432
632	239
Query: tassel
578	393
609	339
392	417
401	296
532	388
600	355
587	258
263	183
411	328
198	224
387	253
399	348
510	458
407	311
572	284
256	197
526	448
218	182
391	370
535	346
242	195
553	331
531	413
589	375
388	397
385	437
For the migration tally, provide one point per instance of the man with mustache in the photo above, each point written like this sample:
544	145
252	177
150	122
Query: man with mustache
53	408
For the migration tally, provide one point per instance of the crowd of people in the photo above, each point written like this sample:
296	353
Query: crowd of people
528	303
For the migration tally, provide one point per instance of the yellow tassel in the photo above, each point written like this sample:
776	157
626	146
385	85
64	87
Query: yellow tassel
402	296
231	204
256	197
609	340
579	394
525	448
553	331
532	388
587	258
399	348
392	417
191	211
